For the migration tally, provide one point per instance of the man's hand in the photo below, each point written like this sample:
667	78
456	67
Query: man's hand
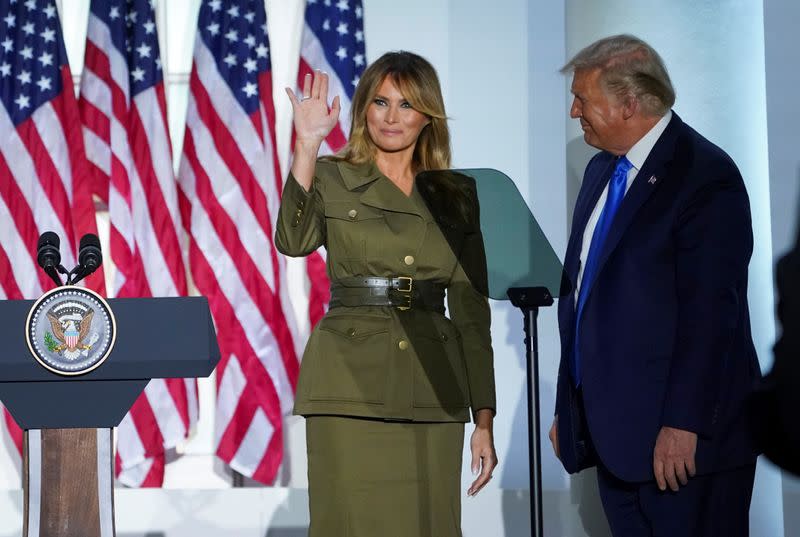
554	437
673	457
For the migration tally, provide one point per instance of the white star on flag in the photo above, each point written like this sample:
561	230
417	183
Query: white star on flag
22	101
250	89
44	84
46	59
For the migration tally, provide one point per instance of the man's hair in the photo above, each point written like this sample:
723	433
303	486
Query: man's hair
628	66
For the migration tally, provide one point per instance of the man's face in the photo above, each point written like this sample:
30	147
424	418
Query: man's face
600	114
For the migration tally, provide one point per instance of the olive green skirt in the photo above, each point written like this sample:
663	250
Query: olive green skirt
369	478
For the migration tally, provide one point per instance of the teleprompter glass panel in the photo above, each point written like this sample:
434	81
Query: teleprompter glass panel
517	253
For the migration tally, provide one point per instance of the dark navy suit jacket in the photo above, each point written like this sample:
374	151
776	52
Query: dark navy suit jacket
665	334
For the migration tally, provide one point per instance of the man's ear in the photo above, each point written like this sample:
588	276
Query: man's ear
630	105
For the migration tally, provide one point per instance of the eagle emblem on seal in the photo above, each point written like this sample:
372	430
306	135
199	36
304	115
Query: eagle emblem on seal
70	332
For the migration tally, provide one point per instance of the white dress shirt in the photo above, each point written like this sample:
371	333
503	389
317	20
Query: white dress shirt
637	155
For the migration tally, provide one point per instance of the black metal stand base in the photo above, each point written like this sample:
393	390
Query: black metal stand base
529	300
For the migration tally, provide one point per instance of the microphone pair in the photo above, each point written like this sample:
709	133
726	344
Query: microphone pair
48	255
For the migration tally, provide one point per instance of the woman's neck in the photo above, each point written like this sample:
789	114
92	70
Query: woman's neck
398	168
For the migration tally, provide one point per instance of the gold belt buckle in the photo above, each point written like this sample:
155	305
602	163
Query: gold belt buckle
407	291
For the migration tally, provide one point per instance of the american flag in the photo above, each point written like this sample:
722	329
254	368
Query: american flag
333	41
42	160
230	184
123	111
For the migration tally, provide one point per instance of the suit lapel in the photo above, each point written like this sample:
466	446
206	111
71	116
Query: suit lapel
652	174
595	183
380	192
383	194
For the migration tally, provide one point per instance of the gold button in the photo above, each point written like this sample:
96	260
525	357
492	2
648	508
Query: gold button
352	213
301	204
299	213
409	260
403	344
444	337
351	332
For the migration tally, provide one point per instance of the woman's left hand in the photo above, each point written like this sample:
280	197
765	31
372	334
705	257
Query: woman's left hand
484	457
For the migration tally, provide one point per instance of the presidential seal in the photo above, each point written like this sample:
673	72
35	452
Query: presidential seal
70	330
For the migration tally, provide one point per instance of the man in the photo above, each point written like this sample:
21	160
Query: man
657	357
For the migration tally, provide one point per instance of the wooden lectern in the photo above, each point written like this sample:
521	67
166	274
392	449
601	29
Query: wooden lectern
68	476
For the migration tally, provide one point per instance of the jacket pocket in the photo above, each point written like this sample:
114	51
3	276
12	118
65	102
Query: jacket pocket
349	359
440	376
352	229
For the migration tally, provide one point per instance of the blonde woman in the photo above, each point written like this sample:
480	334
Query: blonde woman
387	381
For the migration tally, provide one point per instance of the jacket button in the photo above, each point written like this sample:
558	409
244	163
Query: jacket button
403	344
352	213
351	332
444	337
408	260
301	204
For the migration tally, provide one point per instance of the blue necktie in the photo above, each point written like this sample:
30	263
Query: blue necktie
616	191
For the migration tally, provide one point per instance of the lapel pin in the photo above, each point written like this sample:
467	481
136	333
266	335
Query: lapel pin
652	180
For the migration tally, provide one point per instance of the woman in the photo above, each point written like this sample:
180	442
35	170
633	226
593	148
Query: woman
387	381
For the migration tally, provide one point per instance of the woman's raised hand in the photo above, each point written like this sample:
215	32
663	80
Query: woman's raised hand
312	118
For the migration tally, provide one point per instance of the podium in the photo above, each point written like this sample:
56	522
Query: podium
68	477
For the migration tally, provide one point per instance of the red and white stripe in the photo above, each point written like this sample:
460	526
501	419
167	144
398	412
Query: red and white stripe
42	167
230	185
128	145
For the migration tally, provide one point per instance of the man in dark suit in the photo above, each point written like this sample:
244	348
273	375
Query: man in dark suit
657	356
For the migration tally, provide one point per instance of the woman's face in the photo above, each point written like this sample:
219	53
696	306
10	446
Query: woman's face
392	123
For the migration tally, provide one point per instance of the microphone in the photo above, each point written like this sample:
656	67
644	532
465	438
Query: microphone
48	255
90	257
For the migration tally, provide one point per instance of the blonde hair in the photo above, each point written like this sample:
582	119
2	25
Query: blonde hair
628	66
416	79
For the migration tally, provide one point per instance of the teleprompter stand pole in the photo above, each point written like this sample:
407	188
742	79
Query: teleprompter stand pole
529	300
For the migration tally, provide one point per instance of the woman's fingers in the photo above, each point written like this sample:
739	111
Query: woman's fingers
317	83
323	87
336	107
307	86
292	97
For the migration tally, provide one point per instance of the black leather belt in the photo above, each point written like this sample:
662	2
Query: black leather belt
401	292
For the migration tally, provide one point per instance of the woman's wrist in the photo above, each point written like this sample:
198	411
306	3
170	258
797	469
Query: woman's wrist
484	418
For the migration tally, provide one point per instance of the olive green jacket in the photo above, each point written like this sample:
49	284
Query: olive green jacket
376	361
